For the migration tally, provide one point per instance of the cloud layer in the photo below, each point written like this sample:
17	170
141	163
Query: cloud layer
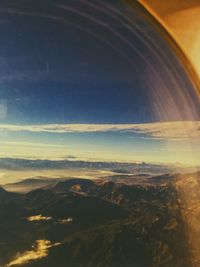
177	130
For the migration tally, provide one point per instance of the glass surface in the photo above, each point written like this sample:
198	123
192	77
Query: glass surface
99	138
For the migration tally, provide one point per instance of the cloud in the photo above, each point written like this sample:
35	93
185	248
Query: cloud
176	130
40	250
66	221
33	144
41	218
38	217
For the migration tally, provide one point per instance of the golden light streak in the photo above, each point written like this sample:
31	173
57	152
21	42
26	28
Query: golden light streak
40	250
38	217
181	20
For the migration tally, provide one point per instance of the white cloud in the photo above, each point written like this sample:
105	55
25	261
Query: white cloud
178	130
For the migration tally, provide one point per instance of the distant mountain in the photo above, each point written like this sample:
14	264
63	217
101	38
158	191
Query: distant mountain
128	178
78	185
30	184
123	167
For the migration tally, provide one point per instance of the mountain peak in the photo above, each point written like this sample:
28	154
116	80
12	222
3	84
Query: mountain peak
2	190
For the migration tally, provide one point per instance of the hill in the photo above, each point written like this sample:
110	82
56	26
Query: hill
82	223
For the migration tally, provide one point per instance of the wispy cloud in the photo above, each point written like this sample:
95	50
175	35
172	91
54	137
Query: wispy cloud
33	144
178	130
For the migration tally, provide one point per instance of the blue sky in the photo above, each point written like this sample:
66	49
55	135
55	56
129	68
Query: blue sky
64	65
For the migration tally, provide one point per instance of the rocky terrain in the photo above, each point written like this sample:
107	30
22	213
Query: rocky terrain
82	223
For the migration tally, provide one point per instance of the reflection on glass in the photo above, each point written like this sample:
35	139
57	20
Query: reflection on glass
100	140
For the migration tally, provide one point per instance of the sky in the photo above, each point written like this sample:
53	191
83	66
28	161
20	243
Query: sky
93	80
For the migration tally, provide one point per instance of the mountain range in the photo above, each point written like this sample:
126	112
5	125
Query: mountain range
103	223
